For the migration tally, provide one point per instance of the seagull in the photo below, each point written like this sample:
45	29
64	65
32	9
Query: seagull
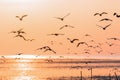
82	43
72	41
113	39
21	18
106	19
46	48
21	37
115	14
66	26
100	14
19	31
104	28
56	34
62	18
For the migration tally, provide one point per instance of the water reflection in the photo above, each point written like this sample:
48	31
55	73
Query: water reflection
28	69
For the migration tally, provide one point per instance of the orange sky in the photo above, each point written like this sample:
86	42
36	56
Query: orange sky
40	22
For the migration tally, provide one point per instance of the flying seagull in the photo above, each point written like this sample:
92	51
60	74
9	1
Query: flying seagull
115	14
73	40
66	26
81	43
21	17
113	39
62	18
100	14
19	31
106	19
46	48
104	28
56	34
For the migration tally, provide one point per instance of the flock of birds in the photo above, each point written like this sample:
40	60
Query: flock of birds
20	33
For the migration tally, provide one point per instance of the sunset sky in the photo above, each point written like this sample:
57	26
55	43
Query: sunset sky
40	22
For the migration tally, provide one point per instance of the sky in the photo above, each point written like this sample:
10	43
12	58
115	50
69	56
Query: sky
41	21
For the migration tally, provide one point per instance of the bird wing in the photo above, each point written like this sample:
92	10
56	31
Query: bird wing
20	29
23	37
13	32
17	16
96	14
104	13
24	16
108	25
75	40
57	17
79	44
66	15
71	26
61	27
53	51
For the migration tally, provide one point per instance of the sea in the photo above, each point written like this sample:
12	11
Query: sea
59	69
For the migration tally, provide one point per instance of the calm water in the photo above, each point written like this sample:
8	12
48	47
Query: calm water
59	69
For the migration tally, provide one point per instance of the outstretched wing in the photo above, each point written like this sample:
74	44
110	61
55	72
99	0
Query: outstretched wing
108	25
24	16
96	14
66	15
61	27
104	13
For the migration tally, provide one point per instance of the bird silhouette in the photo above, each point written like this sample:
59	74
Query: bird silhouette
73	40
113	39
66	26
19	31
81	43
100	14
21	18
115	14
21	37
104	28
105	19
56	34
46	48
62	18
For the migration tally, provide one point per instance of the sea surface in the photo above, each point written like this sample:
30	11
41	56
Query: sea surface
59	69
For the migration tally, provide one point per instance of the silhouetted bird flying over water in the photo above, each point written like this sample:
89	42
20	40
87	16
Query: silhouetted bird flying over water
81	43
104	28
73	40
66	26
62	18
21	18
21	36
100	14
106	19
56	34
46	48
113	39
